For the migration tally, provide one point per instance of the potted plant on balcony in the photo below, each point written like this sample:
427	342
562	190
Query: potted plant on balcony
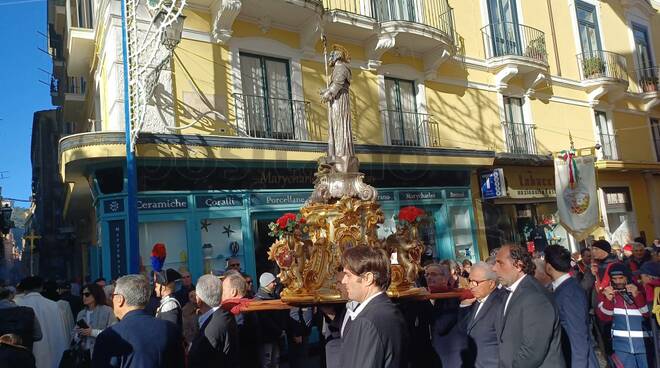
649	84
593	67
536	49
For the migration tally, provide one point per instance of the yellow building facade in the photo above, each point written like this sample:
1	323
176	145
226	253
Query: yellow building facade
443	94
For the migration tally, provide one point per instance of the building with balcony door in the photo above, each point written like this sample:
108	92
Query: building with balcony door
443	92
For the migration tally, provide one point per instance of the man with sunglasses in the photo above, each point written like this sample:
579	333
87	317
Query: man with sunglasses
481	314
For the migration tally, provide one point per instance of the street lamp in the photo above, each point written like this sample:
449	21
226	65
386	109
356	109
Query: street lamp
171	35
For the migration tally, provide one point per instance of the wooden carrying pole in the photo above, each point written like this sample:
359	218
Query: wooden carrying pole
277	304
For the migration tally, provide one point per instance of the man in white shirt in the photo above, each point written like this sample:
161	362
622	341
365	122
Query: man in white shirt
529	331
375	334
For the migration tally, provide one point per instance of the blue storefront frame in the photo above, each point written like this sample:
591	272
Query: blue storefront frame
257	204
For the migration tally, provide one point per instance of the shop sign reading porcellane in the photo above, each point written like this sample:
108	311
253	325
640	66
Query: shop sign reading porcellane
162	203
577	203
270	199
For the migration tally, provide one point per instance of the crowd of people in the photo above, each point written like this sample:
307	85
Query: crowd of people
516	309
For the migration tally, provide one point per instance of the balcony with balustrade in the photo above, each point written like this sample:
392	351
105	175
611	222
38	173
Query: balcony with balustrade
515	50
423	28
648	84
603	73
271	118
520	138
410	129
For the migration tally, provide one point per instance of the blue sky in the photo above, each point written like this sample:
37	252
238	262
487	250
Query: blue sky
21	94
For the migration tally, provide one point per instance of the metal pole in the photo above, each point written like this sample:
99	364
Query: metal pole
131	169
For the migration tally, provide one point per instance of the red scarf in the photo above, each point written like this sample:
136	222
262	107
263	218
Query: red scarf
235	305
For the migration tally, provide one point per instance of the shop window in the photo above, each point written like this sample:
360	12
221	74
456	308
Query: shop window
221	240
110	180
263	241
172	234
461	232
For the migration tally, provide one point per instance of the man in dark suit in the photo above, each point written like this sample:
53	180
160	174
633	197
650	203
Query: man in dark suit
216	344
138	340
375	334
480	315
573	308
529	331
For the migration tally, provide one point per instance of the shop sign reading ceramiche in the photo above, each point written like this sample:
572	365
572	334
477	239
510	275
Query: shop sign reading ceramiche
162	203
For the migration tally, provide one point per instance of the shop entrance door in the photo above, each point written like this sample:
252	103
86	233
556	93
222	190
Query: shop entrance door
263	241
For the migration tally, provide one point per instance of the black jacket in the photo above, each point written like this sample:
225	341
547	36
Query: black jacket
419	316
20	321
216	344
483	348
529	330
376	338
12	356
139	341
271	323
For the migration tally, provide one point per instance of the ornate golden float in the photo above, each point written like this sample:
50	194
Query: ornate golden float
342	212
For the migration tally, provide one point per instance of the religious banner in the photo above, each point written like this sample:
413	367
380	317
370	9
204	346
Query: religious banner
577	197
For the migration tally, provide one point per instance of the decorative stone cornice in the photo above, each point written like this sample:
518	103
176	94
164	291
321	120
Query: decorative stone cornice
433	59
642	5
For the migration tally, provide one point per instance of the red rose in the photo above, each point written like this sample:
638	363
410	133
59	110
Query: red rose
410	213
302	220
283	221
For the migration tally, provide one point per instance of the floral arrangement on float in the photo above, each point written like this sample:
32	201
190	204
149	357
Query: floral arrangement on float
410	217
406	252
288	250
287	224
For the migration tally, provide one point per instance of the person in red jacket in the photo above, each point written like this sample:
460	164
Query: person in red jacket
624	304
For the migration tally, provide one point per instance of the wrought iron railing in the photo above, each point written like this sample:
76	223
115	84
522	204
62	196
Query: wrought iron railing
76	85
434	13
513	39
602	64
263	117
520	138
406	128
648	79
